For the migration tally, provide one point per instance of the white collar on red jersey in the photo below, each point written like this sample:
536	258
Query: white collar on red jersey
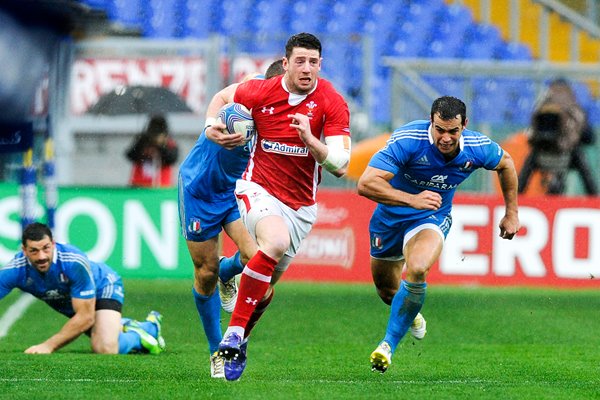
295	99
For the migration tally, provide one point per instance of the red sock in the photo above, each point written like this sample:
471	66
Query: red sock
260	309
254	283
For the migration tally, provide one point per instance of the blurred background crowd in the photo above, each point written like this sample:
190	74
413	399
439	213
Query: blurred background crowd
89	75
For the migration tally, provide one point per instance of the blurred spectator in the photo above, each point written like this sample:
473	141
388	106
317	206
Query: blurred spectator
153	153
559	129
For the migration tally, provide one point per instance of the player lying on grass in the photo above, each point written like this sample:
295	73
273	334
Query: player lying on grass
90	294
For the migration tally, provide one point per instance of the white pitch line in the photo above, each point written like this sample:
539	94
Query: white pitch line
14	312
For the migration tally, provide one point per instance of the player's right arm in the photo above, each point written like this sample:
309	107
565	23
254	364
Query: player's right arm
374	184
214	129
9	276
75	326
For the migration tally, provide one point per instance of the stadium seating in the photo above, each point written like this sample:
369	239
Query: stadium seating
399	28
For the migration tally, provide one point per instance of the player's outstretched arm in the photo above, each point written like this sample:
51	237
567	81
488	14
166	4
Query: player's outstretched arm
75	326
507	175
374	184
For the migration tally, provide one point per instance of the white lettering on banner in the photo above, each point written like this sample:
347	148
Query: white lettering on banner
453	260
138	224
564	243
331	215
327	247
185	76
526	246
103	220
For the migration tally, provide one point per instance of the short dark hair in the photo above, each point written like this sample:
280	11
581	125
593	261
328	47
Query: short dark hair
157	125
449	107
35	232
303	40
276	68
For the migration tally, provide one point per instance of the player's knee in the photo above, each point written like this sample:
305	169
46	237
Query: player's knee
103	346
417	272
204	274
275	247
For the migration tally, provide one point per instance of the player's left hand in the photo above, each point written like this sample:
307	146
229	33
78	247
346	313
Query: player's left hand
509	226
41	348
216	133
301	123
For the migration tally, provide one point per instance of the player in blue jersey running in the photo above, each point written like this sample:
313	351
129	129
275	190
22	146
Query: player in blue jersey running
413	178
207	205
90	294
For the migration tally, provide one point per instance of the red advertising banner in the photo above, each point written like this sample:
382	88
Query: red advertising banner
558	244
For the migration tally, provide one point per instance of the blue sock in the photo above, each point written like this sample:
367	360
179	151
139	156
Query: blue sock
405	306
209	310
128	342
230	267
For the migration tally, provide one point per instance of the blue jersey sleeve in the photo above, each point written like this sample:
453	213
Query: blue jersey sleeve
8	280
82	280
493	155
390	158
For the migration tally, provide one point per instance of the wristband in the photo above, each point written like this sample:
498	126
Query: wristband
209	121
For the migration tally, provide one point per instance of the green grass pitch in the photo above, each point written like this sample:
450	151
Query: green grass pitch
315	341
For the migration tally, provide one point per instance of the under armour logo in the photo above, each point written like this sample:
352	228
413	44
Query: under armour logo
252	301
270	110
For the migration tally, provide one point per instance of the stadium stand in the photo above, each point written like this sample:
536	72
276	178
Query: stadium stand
399	28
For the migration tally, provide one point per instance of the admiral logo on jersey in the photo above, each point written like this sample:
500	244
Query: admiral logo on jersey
282	148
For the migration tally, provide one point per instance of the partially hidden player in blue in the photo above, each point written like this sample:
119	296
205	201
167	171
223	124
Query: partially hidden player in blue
90	294
413	180
207	205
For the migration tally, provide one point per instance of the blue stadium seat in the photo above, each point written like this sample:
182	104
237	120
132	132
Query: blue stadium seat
344	18
161	19
447	35
128	12
594	113
490	100
514	52
446	86
309	16
381	18
199	19
583	94
98	4
482	42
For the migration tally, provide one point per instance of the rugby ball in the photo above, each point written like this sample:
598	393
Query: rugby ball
238	119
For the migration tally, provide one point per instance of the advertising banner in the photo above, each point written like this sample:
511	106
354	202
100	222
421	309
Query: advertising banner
136	231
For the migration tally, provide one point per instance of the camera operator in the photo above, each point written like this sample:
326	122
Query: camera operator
559	128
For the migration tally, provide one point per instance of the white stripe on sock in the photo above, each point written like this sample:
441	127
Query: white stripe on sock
256	275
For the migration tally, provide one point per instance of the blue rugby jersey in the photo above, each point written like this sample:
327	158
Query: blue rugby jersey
418	165
71	275
209	171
